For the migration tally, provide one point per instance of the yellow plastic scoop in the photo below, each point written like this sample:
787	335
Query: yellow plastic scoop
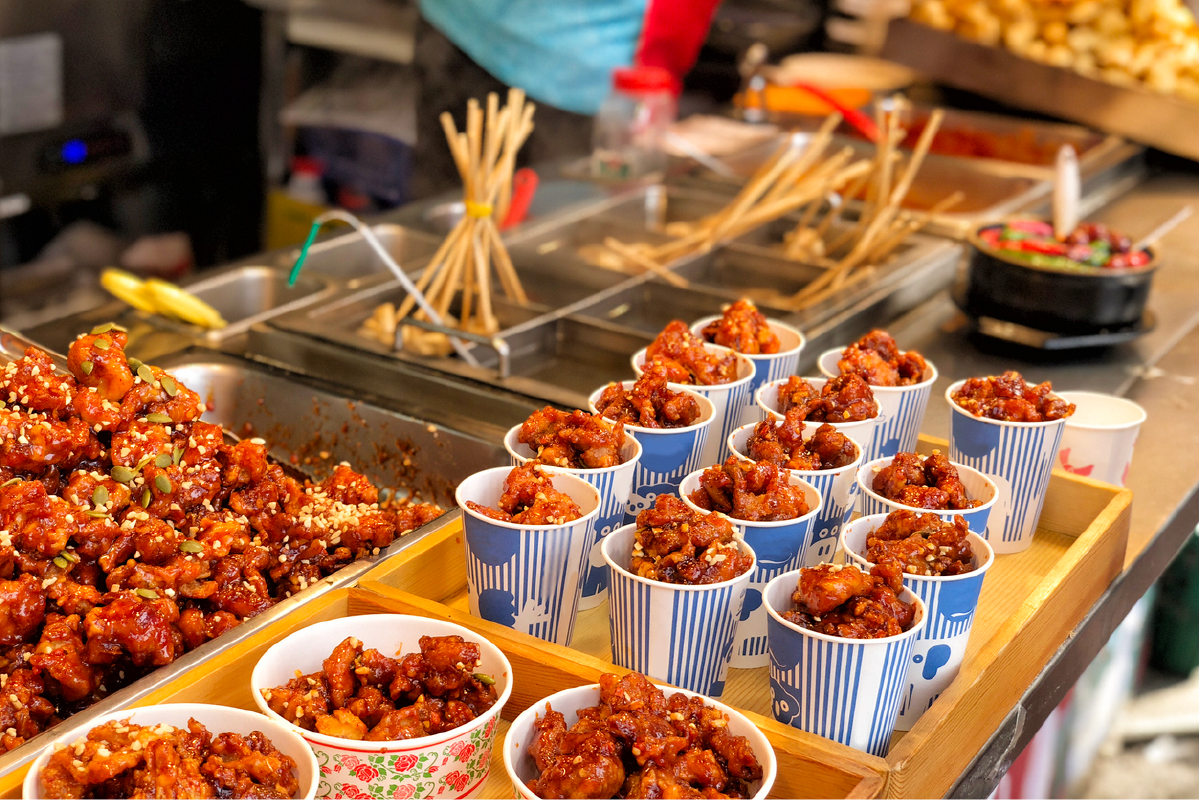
160	297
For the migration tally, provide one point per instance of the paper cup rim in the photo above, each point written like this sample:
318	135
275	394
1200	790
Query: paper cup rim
876	519
705	404
926	382
802	473
764	406
794	480
1118	426
628	440
1001	423
586	517
914	630
745	366
743	576
867	487
32	785
374	746
540	707
696	329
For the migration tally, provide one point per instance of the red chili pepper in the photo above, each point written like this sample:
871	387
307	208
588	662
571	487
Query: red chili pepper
1032	226
990	236
1040	246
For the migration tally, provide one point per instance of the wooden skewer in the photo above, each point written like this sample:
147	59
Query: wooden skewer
639	258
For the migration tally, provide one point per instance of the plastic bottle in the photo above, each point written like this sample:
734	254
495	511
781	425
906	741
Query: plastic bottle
628	132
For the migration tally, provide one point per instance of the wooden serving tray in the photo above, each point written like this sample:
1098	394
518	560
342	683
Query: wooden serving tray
807	766
1029	604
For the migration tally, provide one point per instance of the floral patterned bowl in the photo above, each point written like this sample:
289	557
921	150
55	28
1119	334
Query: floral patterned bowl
448	765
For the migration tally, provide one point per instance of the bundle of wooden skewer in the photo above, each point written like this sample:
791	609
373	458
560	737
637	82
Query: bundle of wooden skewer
464	264
855	253
797	174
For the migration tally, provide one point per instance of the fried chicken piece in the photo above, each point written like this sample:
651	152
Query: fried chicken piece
744	329
850	603
785	444
33	381
755	491
876	358
1009	398
302	700
59	656
529	497
129	625
675	544
687	360
573	439
649	403
107	370
22	609
921	544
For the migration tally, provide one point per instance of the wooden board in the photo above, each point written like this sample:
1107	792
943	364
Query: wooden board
808	766
1030	602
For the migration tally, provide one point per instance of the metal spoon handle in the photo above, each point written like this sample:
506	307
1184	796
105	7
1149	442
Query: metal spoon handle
1067	192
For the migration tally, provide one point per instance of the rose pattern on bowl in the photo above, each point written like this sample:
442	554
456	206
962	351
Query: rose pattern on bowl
448	772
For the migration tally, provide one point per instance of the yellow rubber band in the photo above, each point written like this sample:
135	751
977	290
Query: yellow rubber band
478	209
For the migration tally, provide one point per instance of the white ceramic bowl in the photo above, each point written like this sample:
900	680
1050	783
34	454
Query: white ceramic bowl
452	764
218	719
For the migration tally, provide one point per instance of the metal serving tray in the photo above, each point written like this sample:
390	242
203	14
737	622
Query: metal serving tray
321	427
350	259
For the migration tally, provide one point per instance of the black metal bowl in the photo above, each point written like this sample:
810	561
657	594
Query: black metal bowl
1058	300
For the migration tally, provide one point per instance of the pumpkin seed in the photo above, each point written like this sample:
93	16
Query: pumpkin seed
169	386
487	680
163	483
145	498
162	419
105	328
10	482
86	367
176	455
163	461
102	344
100	496
149	594
95	514
61	562
134	363
143	463
189	546
67	554
122	474
145	374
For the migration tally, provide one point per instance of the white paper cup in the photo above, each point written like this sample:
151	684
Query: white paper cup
729	398
977	487
669	454
837	487
521	766
902	409
452	764
951	602
846	690
683	635
769	367
779	546
1018	457
613	486
1099	437
526	577
217	719
860	431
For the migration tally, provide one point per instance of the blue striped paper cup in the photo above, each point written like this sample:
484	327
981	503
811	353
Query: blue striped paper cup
779	547
613	485
526	577
1018	457
520	764
769	367
837	487
977	487
669	454
729	398
951	602
860	431
683	635
902	409
846	690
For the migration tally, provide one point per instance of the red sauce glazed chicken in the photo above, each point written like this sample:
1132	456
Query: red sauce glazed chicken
1009	398
922	544
120	759
782	443
846	398
850	603
365	695
573	439
931	483
131	532
876	358
752	491
744	329
638	743
529	498
675	544
649	403
687	360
